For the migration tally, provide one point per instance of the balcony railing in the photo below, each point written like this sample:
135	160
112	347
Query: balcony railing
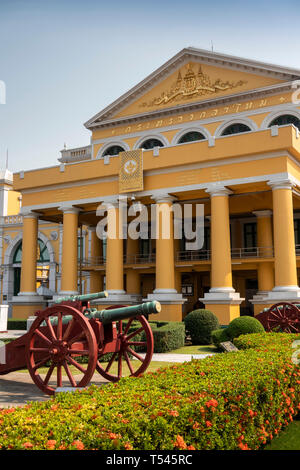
191	255
253	252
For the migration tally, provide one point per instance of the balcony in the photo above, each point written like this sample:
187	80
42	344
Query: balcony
76	155
189	256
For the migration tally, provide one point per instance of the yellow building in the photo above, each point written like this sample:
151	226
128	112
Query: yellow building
214	129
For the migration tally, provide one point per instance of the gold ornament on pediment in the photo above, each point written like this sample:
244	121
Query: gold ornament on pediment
192	85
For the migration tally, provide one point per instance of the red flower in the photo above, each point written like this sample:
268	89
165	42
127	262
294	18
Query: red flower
208	424
180	442
27	445
78	444
51	444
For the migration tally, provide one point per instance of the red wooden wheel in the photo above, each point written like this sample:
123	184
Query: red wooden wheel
283	316
59	335
125	360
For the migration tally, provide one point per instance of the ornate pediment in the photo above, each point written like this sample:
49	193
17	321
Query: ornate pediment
192	76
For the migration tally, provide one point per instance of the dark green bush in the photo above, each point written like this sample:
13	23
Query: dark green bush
167	336
219	336
243	326
200	324
15	324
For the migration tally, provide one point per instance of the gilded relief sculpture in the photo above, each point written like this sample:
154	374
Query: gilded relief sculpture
192	85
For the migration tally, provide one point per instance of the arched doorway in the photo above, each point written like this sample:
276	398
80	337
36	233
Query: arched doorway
42	271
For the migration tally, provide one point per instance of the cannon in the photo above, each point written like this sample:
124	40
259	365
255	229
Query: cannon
70	340
281	317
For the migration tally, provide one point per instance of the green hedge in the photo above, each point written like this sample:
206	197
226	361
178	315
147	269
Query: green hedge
242	326
167	336
239	400
15	324
200	324
219	336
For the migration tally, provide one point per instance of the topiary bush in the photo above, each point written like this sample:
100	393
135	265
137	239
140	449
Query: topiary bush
243	326
200	324
219	336
167	336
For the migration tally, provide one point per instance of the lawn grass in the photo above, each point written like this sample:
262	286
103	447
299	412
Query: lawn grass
195	349
289	439
154	365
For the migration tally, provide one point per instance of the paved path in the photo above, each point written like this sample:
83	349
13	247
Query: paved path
12	334
17	388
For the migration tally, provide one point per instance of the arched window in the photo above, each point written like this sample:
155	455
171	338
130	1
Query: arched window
151	143
236	128
286	119
113	150
42	255
191	136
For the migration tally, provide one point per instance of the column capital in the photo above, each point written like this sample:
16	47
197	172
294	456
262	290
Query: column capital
281	183
69	209
163	198
28	214
263	213
114	202
218	190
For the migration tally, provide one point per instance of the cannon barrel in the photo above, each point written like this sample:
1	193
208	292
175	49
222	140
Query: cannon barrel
116	314
83	298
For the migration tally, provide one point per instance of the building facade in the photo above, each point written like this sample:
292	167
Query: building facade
205	128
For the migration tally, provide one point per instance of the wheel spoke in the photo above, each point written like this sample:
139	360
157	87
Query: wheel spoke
128	326
76	364
41	363
49	373
39	350
69	374
120	365
140	358
59	376
51	329
69	328
42	336
128	362
59	326
111	361
136	343
134	333
82	352
76	338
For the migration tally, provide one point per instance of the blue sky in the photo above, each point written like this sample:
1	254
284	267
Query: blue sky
63	61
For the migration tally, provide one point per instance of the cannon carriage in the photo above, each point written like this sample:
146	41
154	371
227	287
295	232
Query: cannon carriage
70	339
282	316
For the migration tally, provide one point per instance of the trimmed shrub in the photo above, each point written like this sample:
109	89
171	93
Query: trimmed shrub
200	324
232	401
168	336
15	324
242	326
219	336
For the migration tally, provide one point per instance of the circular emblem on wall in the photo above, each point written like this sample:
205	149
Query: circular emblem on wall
130	167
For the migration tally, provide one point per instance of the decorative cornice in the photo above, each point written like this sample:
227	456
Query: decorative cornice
194	106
